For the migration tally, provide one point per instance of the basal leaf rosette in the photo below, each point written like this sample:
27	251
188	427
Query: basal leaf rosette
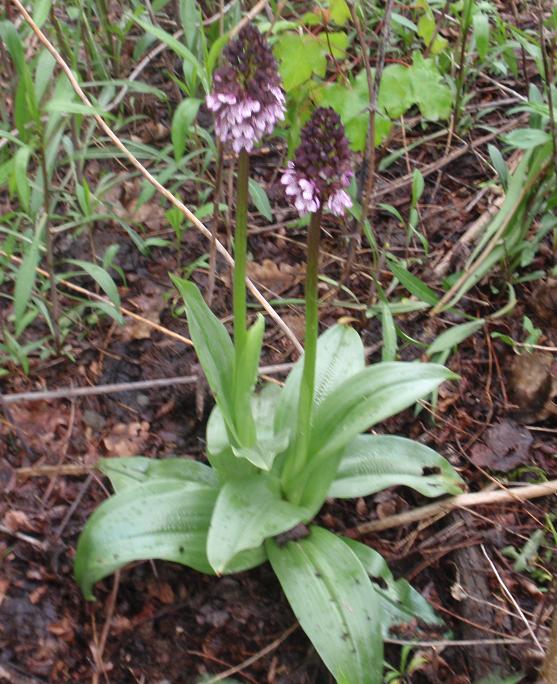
322	166
247	97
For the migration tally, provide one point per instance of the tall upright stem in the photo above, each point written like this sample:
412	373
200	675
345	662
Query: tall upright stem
54	302
240	255
305	406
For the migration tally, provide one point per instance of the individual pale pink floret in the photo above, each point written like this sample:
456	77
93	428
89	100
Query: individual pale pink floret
338	202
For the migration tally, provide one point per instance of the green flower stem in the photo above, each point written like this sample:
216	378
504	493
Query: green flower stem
240	255
305	406
245	427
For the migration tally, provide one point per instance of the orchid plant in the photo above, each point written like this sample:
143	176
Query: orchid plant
276	453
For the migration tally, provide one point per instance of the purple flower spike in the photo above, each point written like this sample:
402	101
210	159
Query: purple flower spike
247	97
321	169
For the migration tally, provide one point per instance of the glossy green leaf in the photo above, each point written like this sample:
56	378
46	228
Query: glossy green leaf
259	197
454	336
371	463
247	512
401	604
340	355
335	603
213	346
166	519
127	472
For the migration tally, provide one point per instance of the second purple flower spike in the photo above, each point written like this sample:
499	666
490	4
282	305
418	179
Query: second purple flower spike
247	97
321	169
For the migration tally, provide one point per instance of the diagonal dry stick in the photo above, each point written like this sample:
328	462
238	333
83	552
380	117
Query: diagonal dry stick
144	172
445	506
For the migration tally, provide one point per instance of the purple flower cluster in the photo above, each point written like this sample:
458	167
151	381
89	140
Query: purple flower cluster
247	98
321	169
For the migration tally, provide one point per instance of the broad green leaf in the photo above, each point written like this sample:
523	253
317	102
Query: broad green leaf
340	12
233	463
246	371
267	444
395	91
367	398
25	278
374	394
213	346
182	121
454	336
43	73
299	57
371	463
130	471
401	604
166	519
426	26
259	198
247	512
481	33
340	355
102	278
219	450
526	138
335	603
41	8
433	97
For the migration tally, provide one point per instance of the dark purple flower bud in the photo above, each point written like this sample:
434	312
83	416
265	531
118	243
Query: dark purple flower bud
321	169
247	97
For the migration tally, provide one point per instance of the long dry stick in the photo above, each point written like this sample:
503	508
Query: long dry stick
440	508
144	172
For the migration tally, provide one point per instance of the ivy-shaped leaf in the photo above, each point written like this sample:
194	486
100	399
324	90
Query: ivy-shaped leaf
299	57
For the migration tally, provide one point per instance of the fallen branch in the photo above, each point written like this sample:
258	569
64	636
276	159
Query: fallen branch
442	508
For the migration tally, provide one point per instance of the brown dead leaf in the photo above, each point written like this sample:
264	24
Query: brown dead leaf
150	307
507	445
36	596
4	585
62	629
276	277
127	439
16	521
531	385
161	591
